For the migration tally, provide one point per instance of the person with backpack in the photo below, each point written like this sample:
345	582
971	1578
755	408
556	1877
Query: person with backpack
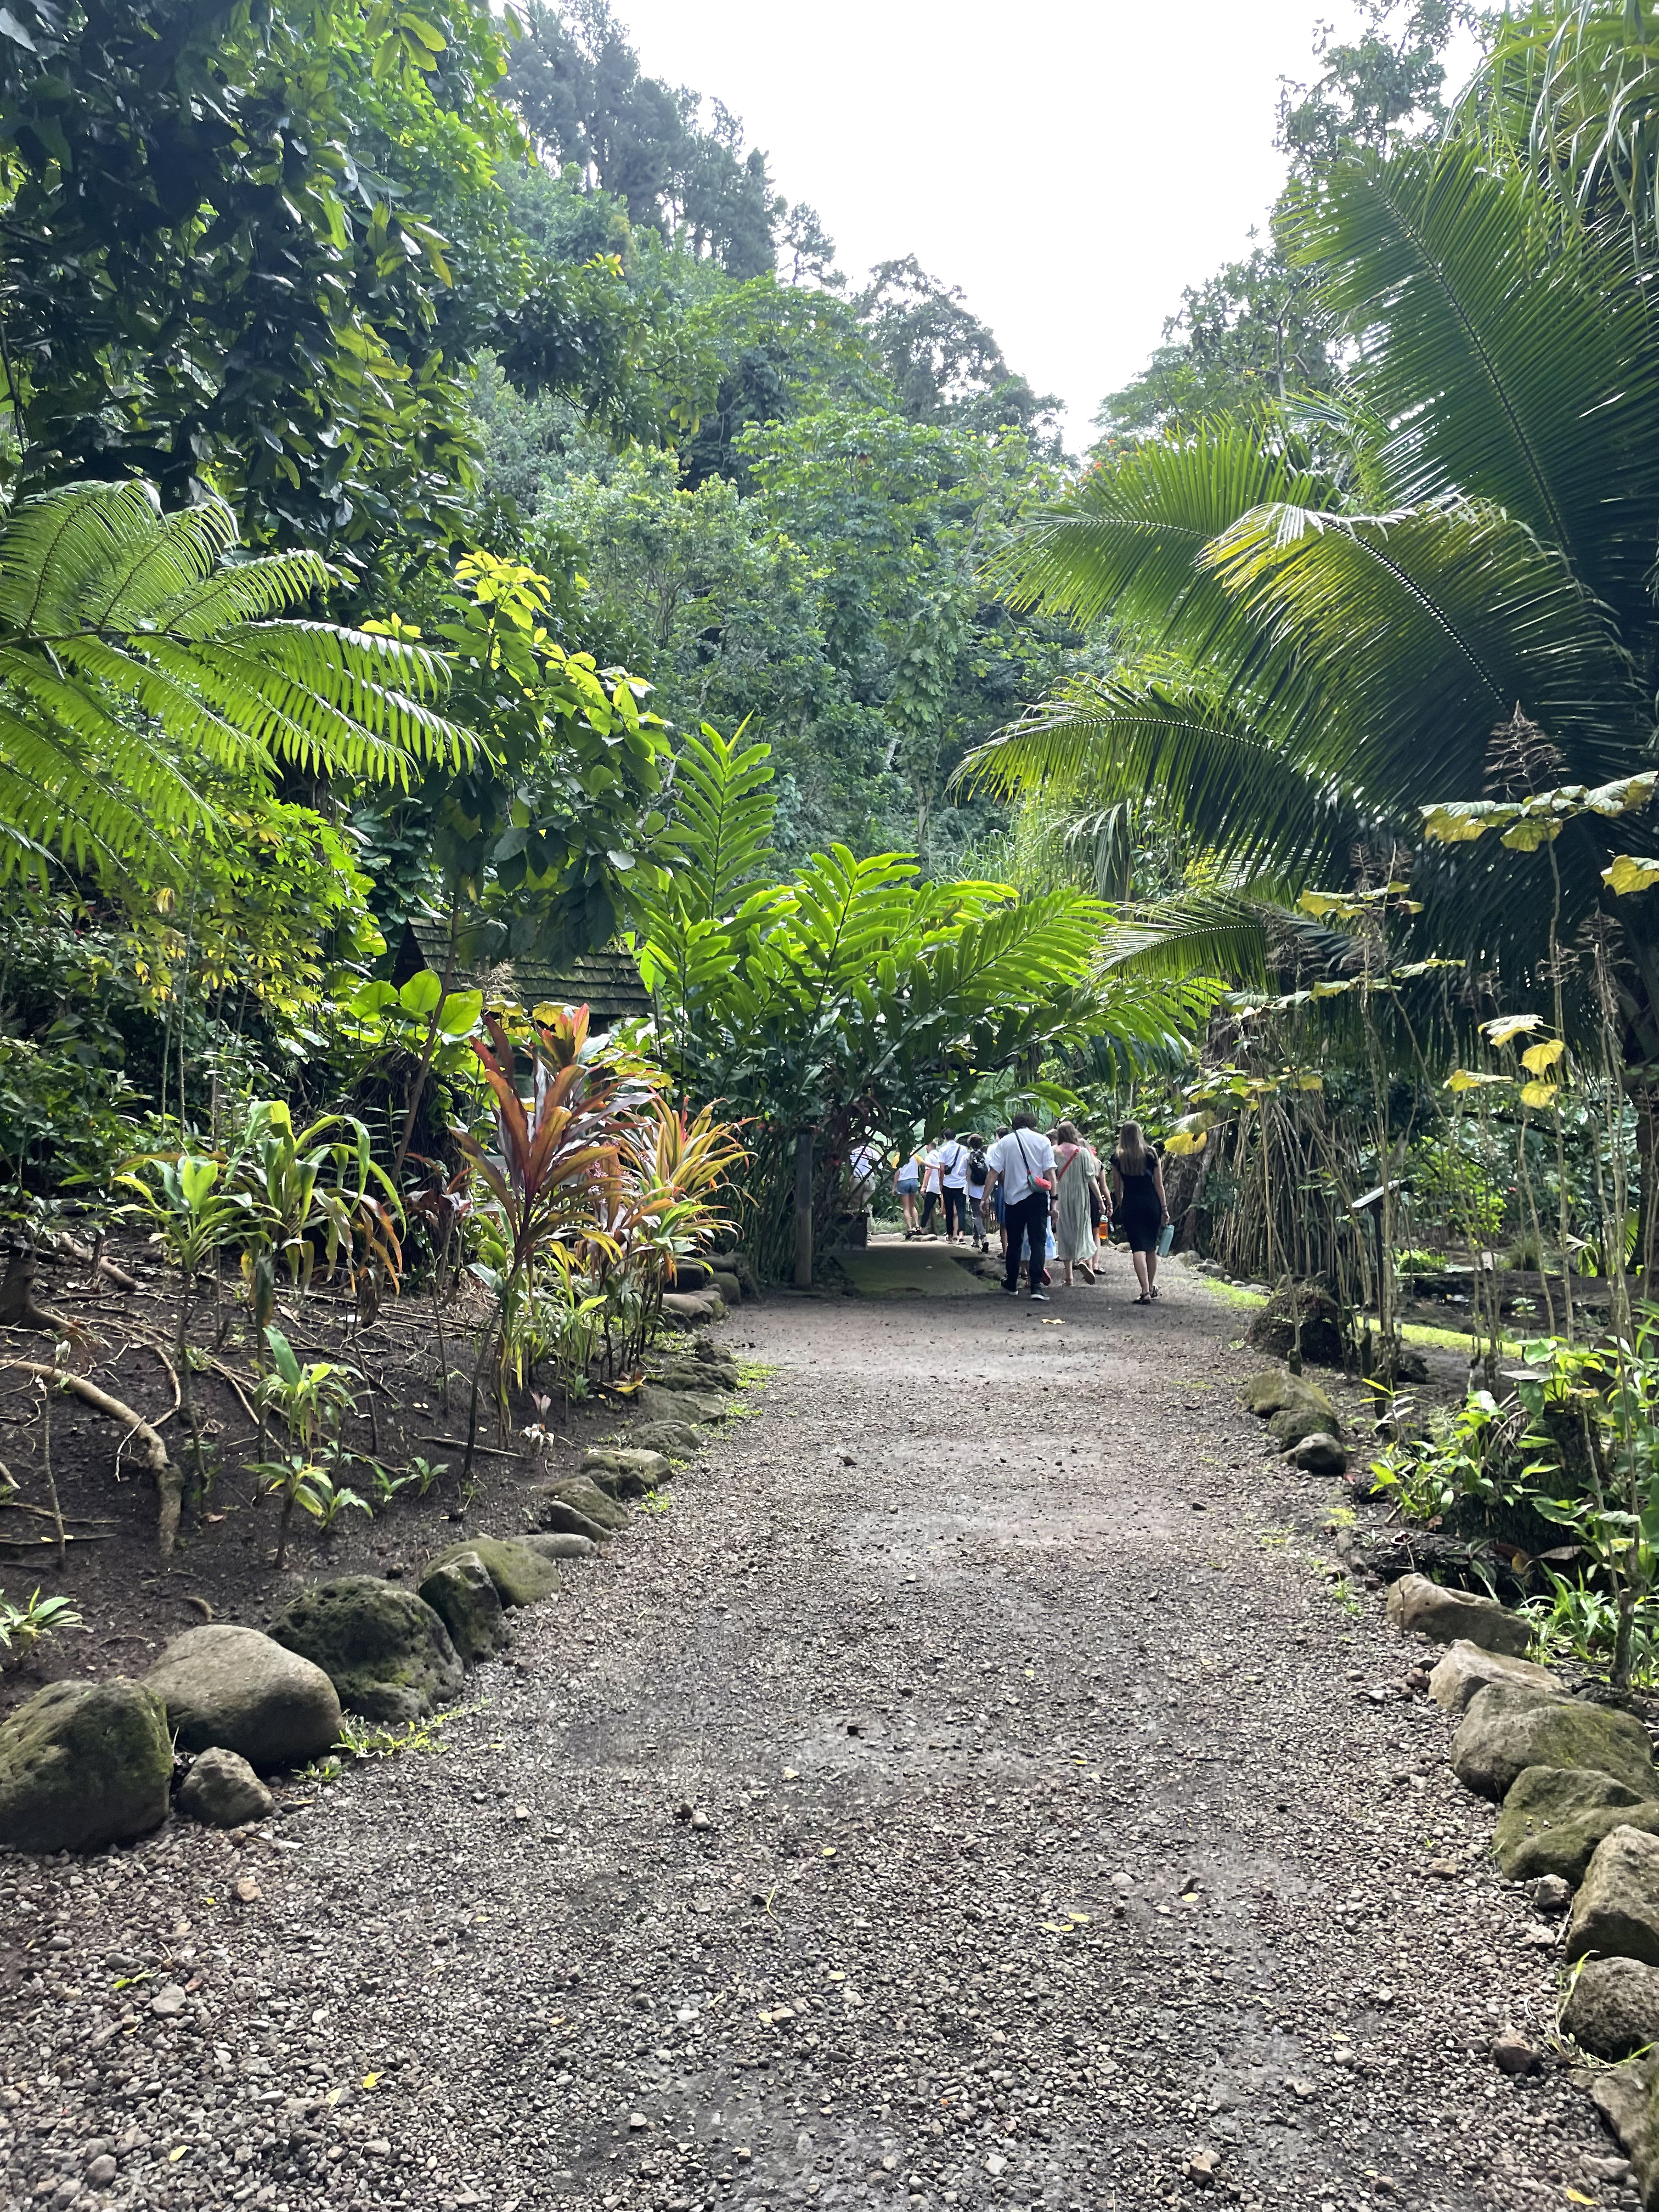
1022	1166
978	1176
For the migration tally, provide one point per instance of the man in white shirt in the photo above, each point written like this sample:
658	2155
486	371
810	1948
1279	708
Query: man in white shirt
866	1160
953	1168
1022	1163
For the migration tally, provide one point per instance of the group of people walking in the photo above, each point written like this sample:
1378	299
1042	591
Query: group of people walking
1026	1184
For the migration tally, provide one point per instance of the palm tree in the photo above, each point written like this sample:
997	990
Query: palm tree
140	660
1311	657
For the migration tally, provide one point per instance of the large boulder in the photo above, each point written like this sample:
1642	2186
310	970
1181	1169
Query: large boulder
1627	2097
384	1649
1509	1727
693	1308
1422	1607
460	1591
522	1576
1467	1670
1274	1328
83	1765
244	1692
223	1791
1613	2007
1616	1913
651	1402
1554	1817
551	1514
622	1473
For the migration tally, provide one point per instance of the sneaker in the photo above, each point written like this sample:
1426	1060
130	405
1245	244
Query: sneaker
1011	1290
1039	1297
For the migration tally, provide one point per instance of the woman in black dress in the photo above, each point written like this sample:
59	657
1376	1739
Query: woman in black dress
1139	1203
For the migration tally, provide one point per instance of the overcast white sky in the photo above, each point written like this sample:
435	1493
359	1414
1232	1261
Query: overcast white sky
1071	165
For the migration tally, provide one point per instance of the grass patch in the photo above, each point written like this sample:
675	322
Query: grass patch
1420	1333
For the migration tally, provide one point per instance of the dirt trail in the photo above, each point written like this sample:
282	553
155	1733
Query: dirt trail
1063	1828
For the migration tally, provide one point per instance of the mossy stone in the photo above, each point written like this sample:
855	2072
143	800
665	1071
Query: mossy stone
384	1649
521	1575
83	1765
1554	1817
460	1591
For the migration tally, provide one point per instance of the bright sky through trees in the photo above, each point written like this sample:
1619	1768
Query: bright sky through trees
1071	167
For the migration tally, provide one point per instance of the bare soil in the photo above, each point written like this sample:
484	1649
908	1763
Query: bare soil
975	1788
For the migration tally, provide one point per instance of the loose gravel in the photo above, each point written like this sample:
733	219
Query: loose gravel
975	1788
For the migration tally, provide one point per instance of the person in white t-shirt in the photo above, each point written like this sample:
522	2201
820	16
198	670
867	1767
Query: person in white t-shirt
862	1170
928	1158
1023	1164
953	1172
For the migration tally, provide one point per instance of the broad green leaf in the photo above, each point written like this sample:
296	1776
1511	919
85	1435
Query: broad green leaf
420	995
460	1012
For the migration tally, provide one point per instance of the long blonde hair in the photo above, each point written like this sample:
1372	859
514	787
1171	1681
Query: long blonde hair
1131	1154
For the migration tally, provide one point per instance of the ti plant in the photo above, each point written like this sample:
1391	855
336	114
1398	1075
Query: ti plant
311	1400
312	1184
551	1150
193	1219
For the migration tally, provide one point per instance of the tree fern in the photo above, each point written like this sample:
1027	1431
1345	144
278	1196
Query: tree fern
138	655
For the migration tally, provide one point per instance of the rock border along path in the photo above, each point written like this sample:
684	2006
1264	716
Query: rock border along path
972	1789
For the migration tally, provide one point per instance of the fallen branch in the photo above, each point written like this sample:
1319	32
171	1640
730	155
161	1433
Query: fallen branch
458	1444
86	1255
151	1452
18	1308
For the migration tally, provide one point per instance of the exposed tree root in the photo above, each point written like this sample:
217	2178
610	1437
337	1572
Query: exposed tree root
149	1448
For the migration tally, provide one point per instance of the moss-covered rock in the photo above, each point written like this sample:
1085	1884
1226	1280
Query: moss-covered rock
584	1496
521	1576
83	1765
652	1401
459	1589
551	1514
1508	1727
1554	1817
384	1649
1273	1330
623	1473
673	1439
1627	2097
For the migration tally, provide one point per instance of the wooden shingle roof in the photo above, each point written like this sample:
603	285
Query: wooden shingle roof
607	983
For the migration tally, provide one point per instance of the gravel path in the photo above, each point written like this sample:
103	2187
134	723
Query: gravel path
973	1788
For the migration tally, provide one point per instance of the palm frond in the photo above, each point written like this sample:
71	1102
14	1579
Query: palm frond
1130	539
133	654
1512	366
